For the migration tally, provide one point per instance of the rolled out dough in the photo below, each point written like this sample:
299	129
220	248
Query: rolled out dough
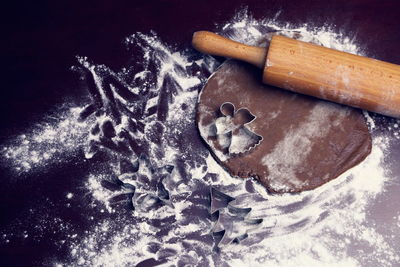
294	143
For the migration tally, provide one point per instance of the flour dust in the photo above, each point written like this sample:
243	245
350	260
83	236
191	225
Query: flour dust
163	198
57	139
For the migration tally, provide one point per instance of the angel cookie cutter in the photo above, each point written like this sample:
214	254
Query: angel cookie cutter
232	131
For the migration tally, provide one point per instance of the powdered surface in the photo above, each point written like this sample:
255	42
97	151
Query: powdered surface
141	120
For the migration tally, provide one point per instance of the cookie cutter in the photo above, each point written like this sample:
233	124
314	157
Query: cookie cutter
232	131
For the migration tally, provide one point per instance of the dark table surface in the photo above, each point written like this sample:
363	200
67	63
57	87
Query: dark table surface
40	42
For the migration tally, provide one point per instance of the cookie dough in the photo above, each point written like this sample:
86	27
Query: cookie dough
289	142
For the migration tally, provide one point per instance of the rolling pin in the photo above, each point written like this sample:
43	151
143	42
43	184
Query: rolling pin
315	70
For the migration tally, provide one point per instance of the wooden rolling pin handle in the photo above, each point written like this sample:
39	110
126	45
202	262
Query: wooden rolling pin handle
214	44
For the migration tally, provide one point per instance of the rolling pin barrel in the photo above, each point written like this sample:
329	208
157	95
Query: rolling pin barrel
317	71
333	75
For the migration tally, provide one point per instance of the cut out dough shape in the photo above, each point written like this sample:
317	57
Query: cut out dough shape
305	143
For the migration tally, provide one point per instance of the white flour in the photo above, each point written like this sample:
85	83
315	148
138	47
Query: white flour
330	226
301	138
47	142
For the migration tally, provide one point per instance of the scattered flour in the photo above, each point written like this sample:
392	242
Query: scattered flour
329	226
47	143
316	126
